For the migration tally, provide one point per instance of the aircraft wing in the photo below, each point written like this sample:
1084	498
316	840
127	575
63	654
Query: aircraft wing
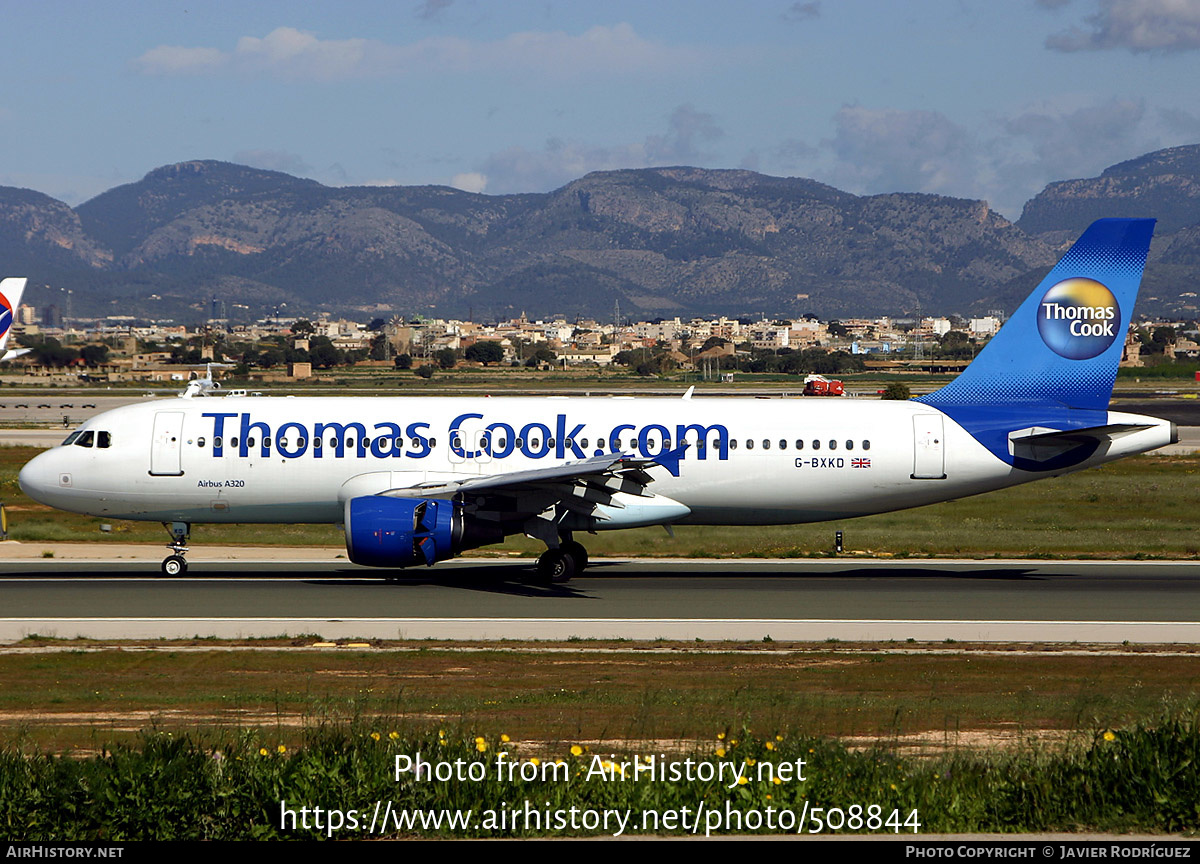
594	487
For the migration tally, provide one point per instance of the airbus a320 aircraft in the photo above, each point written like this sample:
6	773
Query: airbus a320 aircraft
418	480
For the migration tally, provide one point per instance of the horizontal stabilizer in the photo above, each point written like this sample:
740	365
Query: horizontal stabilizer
1040	444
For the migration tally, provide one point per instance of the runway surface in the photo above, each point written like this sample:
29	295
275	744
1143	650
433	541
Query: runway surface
990	601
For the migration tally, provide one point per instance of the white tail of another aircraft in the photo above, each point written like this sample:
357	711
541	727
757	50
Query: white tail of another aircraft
11	290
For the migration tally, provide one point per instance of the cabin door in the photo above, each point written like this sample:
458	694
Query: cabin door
929	451
166	444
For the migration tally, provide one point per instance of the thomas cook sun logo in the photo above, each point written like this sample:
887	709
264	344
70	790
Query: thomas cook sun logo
1078	318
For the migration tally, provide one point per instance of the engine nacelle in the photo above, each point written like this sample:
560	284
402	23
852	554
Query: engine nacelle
399	532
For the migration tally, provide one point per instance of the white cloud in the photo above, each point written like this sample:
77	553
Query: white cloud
431	10
1079	142
559	162
803	11
890	150
1161	26
470	181
274	160
289	53
178	60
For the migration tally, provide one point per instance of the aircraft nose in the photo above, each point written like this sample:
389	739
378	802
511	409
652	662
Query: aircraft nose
40	477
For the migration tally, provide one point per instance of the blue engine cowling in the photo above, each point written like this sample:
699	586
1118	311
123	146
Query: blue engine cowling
399	532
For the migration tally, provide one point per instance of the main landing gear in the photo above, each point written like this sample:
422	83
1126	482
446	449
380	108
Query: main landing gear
175	564
559	564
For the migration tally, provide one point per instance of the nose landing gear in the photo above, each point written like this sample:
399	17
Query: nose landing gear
175	564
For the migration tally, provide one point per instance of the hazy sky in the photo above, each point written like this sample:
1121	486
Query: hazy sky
975	98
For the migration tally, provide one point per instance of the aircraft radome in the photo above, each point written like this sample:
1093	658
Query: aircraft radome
418	480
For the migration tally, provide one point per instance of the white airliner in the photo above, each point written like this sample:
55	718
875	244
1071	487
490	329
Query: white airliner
418	480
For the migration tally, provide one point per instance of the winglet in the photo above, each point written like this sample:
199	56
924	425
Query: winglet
690	391
670	459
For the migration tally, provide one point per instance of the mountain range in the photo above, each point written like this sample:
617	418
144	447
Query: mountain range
658	242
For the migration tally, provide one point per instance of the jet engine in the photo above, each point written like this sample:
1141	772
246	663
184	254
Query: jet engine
398	532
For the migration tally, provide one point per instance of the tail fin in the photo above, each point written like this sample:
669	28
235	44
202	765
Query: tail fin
11	290
1062	345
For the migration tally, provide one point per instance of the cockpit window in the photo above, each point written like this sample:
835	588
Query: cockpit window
86	439
103	439
71	438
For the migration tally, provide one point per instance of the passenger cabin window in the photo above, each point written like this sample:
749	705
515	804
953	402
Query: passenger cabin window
866	445
732	443
749	443
217	442
816	444
782	444
849	444
86	439
103	439
799	443
832	444
766	443
199	442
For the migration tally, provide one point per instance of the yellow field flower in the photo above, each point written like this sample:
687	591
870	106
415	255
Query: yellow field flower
281	749
720	736
262	751
777	781
393	735
770	745
481	746
576	750
505	738
1109	736
374	736
721	752
536	761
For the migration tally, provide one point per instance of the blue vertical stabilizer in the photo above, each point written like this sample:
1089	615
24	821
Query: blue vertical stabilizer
1062	345
1053	364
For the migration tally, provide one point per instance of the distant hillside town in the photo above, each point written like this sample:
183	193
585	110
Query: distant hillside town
119	349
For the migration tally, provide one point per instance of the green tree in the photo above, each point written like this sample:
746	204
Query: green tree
322	354
447	358
94	355
485	352
380	347
403	361
303	327
897	390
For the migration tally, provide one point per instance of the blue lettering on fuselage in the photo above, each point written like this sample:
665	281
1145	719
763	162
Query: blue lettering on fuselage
292	439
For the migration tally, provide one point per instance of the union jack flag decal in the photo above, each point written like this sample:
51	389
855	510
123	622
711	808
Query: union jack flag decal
860	463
